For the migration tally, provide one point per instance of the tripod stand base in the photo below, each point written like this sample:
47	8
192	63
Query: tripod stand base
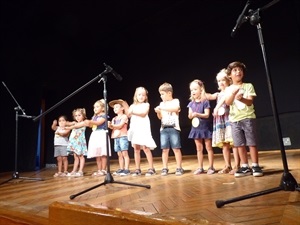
109	180
16	175
288	183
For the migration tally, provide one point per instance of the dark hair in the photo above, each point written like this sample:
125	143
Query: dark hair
235	64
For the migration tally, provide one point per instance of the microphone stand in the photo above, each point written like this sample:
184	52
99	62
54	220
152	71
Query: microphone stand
16	174
108	178
288	182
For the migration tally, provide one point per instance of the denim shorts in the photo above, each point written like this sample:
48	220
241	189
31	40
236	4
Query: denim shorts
121	144
170	138
244	133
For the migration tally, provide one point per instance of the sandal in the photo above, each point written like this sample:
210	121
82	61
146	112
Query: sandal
57	174
72	174
226	169
232	172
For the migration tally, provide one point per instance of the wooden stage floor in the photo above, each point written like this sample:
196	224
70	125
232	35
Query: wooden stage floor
186	199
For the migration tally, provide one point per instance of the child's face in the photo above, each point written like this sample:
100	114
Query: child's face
118	108
97	108
223	83
78	116
237	75
165	95
141	95
62	122
195	90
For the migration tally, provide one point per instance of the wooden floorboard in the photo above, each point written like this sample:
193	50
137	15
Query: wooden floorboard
190	199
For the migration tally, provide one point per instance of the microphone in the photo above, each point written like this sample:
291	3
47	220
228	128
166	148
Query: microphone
111	70
242	18
26	116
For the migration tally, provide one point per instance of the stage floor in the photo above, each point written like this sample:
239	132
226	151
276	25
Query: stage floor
189	198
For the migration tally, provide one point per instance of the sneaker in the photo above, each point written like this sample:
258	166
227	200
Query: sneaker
137	172
243	171
104	172
118	172
198	171
150	172
257	171
124	173
179	172
211	171
164	172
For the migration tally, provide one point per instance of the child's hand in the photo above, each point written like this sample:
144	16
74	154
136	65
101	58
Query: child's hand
54	123
215	112
194	114
157	109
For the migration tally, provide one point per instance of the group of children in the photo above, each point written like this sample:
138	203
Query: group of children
233	127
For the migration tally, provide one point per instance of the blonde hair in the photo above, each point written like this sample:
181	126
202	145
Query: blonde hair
101	102
135	100
202	88
223	75
166	87
81	110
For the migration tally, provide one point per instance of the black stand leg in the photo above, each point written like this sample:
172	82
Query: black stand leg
109	178
15	175
288	182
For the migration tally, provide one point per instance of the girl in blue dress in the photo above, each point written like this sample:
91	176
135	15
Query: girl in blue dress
201	130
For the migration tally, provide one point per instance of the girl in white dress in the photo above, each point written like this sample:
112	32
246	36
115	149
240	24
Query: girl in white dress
139	133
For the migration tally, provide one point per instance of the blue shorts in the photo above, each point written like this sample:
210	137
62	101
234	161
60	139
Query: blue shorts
170	138
121	144
244	133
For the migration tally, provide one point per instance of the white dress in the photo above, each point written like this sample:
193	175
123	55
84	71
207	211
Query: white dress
139	132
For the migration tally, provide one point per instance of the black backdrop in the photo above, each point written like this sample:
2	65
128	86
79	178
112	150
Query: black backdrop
49	49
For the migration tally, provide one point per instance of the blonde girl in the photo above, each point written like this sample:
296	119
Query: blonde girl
222	137
77	142
201	130
99	142
139	133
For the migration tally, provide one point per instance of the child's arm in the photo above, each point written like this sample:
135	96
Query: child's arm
172	106
219	104
230	93
90	123
211	97
74	125
123	121
158	112
192	114
54	125
141	111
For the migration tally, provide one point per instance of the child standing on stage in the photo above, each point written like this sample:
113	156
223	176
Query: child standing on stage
60	145
119	126
222	136
239	96
139	133
77	143
168	112
98	142
201	131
